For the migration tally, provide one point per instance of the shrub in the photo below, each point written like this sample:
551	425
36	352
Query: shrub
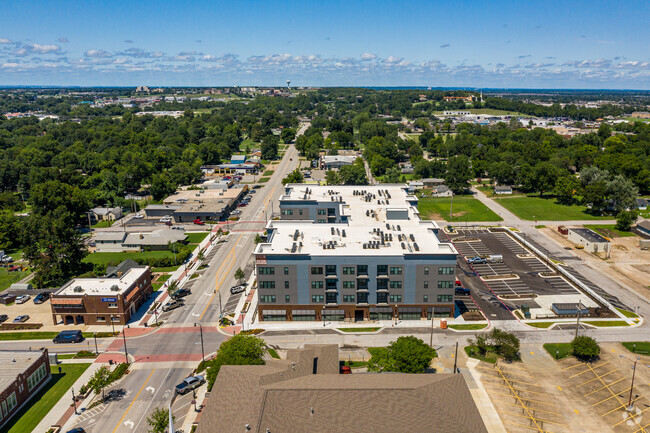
119	371
585	348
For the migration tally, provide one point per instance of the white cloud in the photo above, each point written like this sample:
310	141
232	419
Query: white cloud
393	59
97	54
5	41
44	49
368	56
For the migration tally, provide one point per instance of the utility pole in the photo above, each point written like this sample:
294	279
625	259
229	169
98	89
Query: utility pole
95	337
456	358
431	336
126	356
578	324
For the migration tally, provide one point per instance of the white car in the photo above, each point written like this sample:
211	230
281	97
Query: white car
22	299
138	216
165	219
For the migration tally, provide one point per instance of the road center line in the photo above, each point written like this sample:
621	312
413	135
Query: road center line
133	401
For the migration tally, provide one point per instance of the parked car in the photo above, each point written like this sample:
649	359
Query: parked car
235	212
7	259
168	223
22	299
21	319
178	228
165	219
41	297
344	369
15	268
252	191
242	204
72	336
138	216
248	198
3	318
476	260
460	290
198	221
237	289
181	293
173	305
257	186
76	430
189	384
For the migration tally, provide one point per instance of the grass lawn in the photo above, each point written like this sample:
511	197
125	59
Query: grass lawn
468	327
156	286
642	347
472	352
163	278
268	173
356	364
466	208
609	230
106	258
606	323
166	269
247	142
359	329
102	224
273	353
263	179
558	350
627	313
545	209
35	410
196	238
8	278
542	325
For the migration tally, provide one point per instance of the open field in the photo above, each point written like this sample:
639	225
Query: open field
106	258
8	278
466	208
558	350
545	209
642	347
33	412
196	238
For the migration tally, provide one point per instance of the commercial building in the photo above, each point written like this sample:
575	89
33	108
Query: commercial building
206	204
589	239
305	393
102	301
644	227
22	375
111	242
353	253
329	162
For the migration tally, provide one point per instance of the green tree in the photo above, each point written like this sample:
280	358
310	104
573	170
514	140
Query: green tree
162	185
294	177
544	176
625	219
159	420
505	344
584	347
623	192
258	239
100	380
10	229
566	188
172	286
404	355
201	255
288	135
458	173
239	275
269	148
332	178
392	175
239	350
354	174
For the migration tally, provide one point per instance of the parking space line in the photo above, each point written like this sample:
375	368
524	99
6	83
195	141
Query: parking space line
528	399
534	409
589	368
507	372
598	377
534	419
517	389
623	406
603	387
573	366
522	425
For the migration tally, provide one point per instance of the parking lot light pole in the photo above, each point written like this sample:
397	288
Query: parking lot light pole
630	404
95	337
126	356
201	332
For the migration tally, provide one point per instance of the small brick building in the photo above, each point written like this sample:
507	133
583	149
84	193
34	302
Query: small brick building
102	301
22	375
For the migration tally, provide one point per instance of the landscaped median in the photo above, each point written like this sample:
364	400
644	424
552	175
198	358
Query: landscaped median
46	335
26	419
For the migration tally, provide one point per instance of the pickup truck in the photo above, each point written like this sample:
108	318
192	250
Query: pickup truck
476	260
189	384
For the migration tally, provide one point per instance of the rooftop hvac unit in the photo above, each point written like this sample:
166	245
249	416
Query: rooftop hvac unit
365	246
343	233
114	288
294	247
415	245
387	226
331	198
367	213
399	229
387	202
324	246
78	289
403	247
338	232
412	237
332	228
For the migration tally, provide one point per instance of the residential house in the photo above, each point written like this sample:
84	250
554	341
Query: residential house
503	190
442	191
106	213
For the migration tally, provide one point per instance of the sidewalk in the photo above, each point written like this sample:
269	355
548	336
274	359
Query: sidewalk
62	409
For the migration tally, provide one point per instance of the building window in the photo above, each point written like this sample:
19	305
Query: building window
348	284
322	211
286	270
267	284
382	284
266	270
4	409
318	298
348	270
115	318
382	269
395	298
317	270
101	318
426	270
445	284
286	284
331	212
396	270
300	211
348	298
395	284
362	284
330	270
362	298
112	305
267	299
362	269
331	298
446	270
382	298
445	298
11	402
36	377
316	284
425	298
287	299
322	221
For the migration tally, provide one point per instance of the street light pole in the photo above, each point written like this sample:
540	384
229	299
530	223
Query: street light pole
431	336
95	337
74	401
456	358
126	356
201	332
578	325
113	325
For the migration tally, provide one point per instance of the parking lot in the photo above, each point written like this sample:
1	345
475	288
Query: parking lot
604	385
519	275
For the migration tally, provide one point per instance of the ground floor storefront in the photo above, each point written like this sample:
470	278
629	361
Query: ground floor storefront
352	313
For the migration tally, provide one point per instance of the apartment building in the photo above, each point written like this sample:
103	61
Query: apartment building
353	253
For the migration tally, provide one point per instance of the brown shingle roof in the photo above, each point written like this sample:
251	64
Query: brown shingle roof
280	397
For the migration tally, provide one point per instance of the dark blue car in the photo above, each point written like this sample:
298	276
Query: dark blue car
69	337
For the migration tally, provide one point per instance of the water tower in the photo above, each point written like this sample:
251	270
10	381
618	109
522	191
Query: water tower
288	84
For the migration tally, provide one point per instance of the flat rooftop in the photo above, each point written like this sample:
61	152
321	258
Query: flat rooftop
13	363
203	195
589	235
381	220
102	286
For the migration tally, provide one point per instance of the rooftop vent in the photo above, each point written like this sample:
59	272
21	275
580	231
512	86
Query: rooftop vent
114	288
78	289
415	245
294	247
412	237
343	233
403	247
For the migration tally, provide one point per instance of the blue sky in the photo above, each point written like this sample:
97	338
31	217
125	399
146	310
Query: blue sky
534	44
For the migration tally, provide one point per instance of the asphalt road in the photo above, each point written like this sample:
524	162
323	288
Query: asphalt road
168	355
